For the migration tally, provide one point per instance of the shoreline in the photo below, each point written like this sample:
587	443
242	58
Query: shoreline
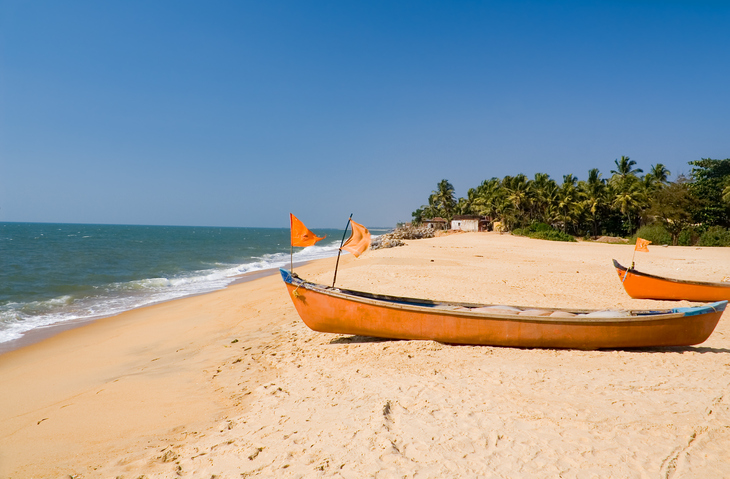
39	334
120	382
231	383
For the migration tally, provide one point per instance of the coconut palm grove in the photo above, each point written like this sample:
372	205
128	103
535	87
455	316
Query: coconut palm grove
693	210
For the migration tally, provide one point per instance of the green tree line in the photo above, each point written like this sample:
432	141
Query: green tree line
619	205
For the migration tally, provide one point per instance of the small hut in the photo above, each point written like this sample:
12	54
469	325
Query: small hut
436	223
466	223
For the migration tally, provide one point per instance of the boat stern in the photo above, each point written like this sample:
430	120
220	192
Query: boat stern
717	307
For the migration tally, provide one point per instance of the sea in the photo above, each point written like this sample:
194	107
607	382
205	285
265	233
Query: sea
57	274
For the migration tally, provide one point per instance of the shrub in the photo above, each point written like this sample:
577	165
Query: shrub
715	236
552	235
655	233
533	228
688	237
541	227
543	231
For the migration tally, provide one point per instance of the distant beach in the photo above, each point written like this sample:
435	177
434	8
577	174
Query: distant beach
232	384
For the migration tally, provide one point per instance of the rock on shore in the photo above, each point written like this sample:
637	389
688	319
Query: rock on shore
390	240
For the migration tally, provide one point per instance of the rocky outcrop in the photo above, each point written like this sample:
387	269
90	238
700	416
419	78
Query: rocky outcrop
389	240
385	241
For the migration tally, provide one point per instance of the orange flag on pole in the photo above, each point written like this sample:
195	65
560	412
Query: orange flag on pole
359	241
642	245
300	235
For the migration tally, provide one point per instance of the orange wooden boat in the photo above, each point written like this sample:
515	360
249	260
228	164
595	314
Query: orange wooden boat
342	311
648	286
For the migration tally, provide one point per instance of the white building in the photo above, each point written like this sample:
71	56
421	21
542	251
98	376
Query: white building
465	223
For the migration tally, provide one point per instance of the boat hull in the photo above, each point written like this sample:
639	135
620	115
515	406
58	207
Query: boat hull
646	286
336	311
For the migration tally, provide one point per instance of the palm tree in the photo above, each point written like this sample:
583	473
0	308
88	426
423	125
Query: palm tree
630	199
657	178
594	191
518	196
569	181
486	198
427	211
443	199
543	192
660	173
625	167
418	216
630	193
463	206
570	205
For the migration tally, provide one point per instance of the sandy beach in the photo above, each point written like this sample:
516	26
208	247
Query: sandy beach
232	384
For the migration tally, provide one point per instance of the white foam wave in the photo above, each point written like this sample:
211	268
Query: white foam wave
17	319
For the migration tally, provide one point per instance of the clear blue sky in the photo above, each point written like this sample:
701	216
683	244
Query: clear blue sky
235	113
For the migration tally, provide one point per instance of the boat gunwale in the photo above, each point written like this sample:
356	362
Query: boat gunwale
403	303
618	265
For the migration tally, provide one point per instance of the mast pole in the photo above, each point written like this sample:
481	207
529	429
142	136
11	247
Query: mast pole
339	251
291	246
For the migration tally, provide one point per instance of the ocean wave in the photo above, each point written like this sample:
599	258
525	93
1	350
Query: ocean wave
16	319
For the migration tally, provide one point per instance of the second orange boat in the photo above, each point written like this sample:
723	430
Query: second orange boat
648	286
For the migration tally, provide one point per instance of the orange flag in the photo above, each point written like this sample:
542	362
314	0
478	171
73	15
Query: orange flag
642	245
300	235
359	241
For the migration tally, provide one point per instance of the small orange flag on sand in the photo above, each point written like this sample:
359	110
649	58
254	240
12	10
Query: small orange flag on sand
300	235
359	241
642	245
